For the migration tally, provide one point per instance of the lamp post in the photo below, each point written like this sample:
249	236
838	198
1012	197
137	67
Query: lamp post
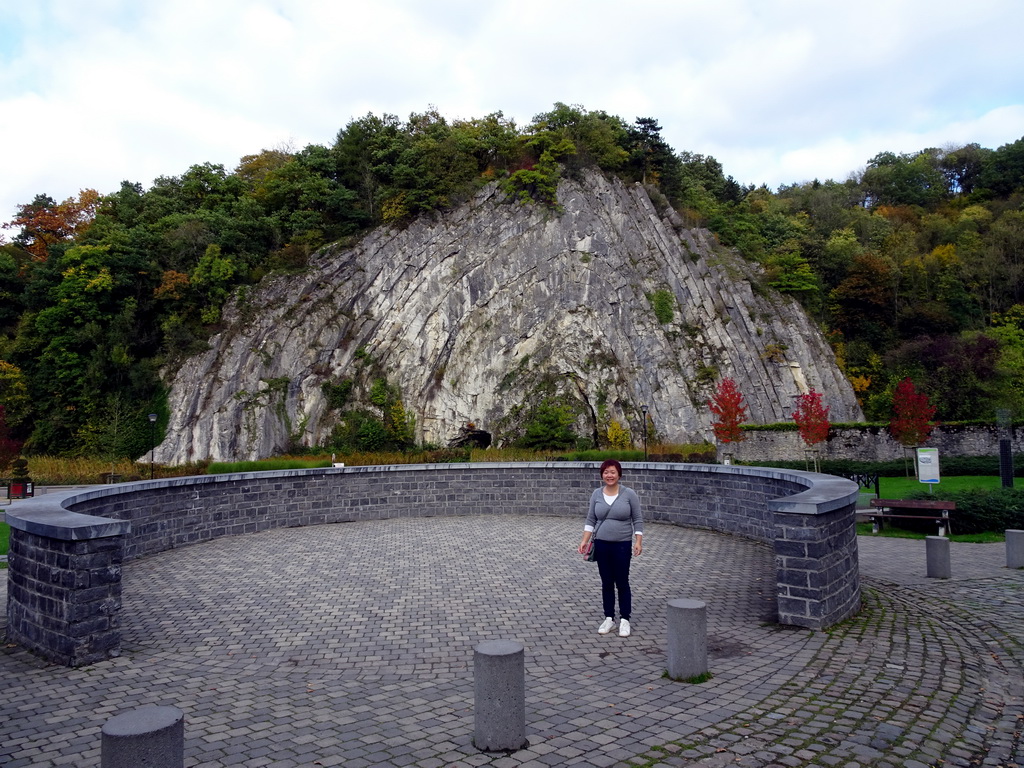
152	442
643	409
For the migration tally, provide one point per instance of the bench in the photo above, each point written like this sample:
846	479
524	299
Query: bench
896	508
867	480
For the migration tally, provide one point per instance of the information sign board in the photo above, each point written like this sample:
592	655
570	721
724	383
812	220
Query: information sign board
928	465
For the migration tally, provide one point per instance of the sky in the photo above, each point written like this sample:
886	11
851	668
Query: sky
779	91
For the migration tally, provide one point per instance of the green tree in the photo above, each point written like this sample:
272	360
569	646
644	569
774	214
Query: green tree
908	179
10	448
361	159
838	254
959	371
963	167
400	426
790	273
1009	332
862	305
1003	174
14	396
213	277
13	282
538	181
550	427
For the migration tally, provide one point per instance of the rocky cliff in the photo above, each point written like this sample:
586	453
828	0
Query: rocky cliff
474	315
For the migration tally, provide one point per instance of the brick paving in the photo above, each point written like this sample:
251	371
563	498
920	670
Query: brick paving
352	645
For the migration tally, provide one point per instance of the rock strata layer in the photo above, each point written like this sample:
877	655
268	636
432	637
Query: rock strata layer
487	308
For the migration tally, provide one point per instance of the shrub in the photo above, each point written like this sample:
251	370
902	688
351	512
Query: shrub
982	511
692	453
663	302
618	436
337	394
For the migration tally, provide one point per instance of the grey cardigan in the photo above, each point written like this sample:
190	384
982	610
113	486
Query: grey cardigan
619	521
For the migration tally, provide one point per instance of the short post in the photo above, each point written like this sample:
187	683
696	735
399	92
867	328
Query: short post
687	639
1014	549
937	553
499	680
153	737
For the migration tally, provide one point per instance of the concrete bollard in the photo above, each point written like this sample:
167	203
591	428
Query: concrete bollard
1014	549
687	639
147	737
937	554
499	681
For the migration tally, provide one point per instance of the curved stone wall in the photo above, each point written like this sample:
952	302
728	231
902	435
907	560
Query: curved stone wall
67	548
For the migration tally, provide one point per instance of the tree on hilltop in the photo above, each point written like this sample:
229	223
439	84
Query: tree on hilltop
45	222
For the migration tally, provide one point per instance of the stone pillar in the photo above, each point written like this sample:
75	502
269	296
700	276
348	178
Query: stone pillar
1014	549
64	593
499	677
937	553
147	737
817	570
687	638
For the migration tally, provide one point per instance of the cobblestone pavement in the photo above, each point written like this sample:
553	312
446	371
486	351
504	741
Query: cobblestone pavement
352	645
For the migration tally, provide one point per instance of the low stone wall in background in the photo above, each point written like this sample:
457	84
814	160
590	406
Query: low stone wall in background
64	582
869	443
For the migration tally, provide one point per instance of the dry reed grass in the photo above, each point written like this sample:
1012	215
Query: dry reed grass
57	470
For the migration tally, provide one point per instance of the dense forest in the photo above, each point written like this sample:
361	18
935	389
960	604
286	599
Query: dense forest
913	266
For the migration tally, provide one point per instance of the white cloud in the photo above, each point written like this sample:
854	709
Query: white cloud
777	90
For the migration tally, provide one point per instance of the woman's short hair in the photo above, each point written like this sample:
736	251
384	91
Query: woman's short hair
611	463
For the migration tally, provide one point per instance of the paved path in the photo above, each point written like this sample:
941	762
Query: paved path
352	644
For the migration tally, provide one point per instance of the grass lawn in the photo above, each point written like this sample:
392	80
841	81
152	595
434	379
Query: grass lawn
902	487
865	529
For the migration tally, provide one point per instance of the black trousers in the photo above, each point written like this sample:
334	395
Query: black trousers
613	559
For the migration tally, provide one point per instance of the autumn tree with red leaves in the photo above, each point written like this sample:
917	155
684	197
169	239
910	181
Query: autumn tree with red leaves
45	222
811	417
727	405
912	415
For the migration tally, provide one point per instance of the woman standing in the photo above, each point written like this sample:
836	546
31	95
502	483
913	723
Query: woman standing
616	524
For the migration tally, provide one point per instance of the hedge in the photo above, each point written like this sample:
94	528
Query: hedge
951	466
983	511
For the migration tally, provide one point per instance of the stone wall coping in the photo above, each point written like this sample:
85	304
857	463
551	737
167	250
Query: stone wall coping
55	522
827	493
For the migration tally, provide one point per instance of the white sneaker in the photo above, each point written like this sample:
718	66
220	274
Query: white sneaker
606	626
623	628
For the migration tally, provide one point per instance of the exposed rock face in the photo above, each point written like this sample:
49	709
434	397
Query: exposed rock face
473	313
